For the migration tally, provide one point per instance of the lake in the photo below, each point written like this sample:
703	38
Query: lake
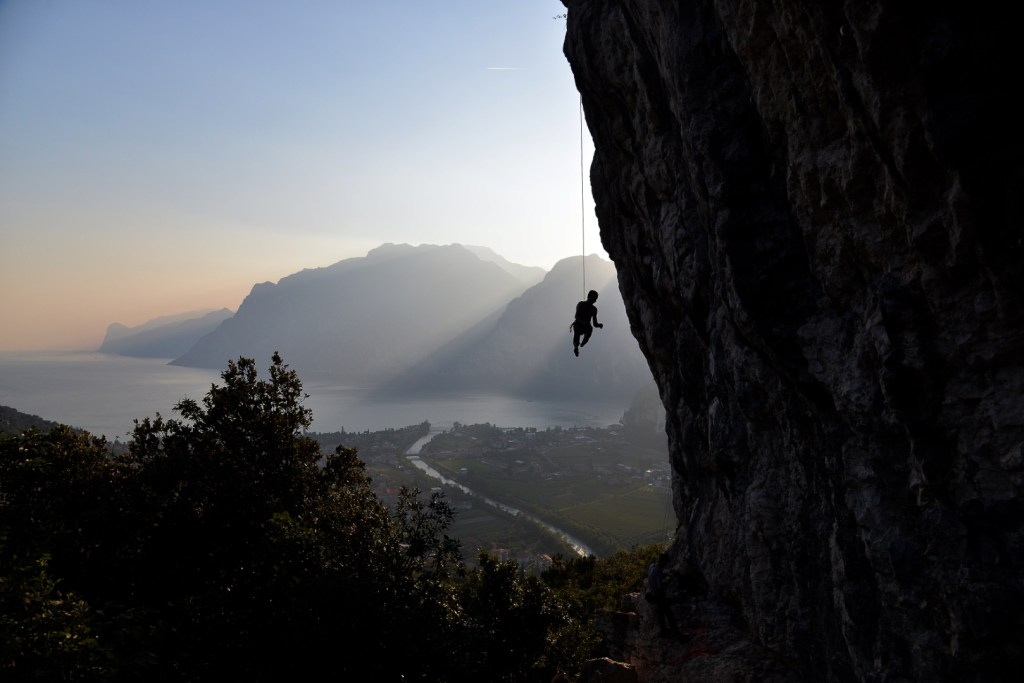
103	393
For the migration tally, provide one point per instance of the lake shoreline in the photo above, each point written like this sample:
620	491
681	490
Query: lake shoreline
104	394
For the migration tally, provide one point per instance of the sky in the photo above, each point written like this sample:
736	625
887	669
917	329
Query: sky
163	157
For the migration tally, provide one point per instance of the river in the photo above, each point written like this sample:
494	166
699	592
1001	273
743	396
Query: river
413	457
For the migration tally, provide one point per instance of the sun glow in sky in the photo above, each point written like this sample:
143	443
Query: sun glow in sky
161	157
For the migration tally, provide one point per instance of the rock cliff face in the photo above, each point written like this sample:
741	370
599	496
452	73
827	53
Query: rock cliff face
815	213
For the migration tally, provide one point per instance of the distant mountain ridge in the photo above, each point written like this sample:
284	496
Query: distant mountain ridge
364	318
164	337
530	275
434	319
527	350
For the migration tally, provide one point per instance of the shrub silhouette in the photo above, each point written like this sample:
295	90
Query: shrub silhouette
225	545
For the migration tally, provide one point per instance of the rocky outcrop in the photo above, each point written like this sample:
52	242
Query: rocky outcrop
815	215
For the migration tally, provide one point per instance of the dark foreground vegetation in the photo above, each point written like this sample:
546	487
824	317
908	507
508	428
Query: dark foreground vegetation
224	545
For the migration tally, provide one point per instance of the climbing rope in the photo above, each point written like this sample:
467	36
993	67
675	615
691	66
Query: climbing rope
669	515
583	190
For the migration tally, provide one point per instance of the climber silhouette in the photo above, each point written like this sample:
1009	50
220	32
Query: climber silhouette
581	327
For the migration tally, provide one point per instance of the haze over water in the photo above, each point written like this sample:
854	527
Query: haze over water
105	393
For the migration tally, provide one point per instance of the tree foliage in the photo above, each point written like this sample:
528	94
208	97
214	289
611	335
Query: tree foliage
225	545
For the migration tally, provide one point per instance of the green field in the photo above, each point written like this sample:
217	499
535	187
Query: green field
477	525
608	513
600	486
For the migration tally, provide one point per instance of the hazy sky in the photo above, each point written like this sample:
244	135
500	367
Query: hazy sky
159	156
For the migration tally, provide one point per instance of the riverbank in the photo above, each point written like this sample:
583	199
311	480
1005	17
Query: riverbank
577	545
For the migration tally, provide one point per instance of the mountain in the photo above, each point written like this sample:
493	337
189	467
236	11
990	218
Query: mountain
363	320
527	348
528	275
164	337
437	319
14	422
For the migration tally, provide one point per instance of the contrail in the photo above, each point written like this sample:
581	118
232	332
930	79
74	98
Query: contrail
504	68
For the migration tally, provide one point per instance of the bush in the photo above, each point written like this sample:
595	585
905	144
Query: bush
225	545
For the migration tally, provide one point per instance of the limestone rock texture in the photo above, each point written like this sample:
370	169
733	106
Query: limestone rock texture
814	209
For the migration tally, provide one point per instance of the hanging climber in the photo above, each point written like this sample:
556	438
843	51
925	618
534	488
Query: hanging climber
586	312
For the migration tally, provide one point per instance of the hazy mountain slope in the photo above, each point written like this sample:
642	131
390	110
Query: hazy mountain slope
528	349
528	275
164	337
364	319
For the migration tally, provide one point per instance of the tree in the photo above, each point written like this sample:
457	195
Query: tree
49	505
226	545
513	614
280	557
